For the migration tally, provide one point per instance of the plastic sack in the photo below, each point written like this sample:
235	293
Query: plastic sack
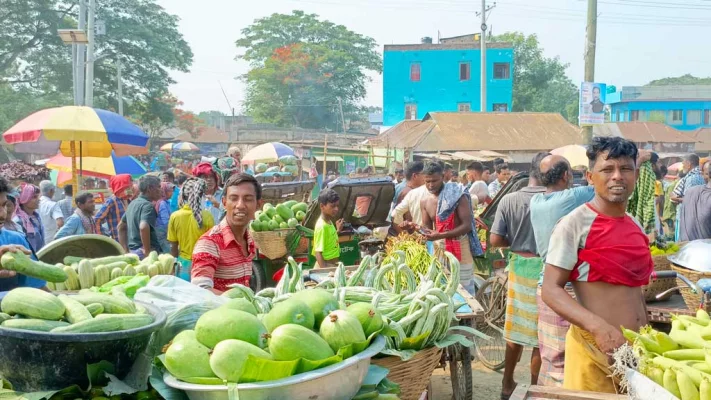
261	168
287	160
292	169
273	169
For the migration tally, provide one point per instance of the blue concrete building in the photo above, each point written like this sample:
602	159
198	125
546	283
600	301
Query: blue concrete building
445	76
684	107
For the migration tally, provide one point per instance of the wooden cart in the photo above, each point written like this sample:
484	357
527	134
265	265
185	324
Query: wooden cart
526	392
661	311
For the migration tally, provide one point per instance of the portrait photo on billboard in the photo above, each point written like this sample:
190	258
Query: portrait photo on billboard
592	102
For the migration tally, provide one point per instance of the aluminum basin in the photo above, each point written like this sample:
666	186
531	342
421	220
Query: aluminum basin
336	382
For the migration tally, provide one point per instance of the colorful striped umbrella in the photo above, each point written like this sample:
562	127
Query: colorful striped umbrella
267	152
182	146
99	167
55	129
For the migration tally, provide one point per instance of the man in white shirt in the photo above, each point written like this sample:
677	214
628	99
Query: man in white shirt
50	213
410	204
478	188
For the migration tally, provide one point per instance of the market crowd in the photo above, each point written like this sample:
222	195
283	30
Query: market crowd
579	253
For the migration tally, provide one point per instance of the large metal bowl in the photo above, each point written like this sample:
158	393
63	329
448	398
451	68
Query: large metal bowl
337	382
88	246
37	361
695	255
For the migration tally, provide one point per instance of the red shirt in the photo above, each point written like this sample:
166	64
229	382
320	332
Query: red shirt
219	261
600	248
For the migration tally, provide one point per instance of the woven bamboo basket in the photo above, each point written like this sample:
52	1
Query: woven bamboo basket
412	375
272	244
657	286
693	301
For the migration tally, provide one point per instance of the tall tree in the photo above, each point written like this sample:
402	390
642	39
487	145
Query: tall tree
687	79
158	113
138	32
301	66
540	83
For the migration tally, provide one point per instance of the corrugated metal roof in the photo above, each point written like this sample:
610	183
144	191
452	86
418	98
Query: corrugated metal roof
462	131
207	135
447	46
406	134
642	132
703	135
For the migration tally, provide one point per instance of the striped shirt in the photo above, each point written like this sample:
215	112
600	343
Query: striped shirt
111	213
219	260
693	178
66	206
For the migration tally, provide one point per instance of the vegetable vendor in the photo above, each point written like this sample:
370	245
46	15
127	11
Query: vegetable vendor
81	222
213	194
12	241
187	224
447	215
605	253
137	232
326	247
223	255
512	228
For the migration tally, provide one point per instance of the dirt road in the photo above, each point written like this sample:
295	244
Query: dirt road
487	383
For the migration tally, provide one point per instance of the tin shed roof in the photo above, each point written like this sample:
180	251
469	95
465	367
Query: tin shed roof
466	131
207	135
703	135
643	132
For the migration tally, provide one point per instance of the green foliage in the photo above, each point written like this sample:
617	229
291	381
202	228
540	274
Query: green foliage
301	66
160	112
21	102
34	61
540	83
687	79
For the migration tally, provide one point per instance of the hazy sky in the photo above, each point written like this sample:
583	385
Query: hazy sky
638	40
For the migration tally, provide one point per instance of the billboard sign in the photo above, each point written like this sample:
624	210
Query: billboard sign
592	103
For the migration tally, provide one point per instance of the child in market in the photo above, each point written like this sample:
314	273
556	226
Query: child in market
325	243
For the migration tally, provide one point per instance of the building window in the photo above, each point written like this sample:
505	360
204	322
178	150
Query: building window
693	117
410	111
707	117
500	107
657	116
464	107
675	117
618	116
415	72
502	71
464	71
634	115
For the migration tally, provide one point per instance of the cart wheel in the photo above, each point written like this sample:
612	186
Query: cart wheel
492	297
460	369
259	278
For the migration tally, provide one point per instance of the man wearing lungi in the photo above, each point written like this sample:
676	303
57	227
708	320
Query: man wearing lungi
604	252
512	228
447	215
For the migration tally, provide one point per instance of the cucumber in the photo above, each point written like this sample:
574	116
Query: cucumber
33	303
31	324
95	309
112	304
131	259
69	260
95	325
129	321
4	317
74	312
22	264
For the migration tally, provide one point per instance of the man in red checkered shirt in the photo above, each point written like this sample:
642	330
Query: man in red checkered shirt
223	255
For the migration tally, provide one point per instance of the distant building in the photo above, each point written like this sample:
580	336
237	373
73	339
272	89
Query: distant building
375	120
445	77
684	107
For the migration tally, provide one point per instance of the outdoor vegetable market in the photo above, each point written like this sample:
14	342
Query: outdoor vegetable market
257	277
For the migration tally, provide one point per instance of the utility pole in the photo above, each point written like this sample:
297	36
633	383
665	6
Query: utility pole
80	56
343	120
120	86
89	96
482	48
590	43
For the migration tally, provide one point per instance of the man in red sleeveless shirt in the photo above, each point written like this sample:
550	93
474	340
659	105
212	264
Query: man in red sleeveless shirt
604	252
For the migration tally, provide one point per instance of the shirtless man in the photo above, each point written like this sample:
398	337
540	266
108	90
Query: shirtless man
605	253
453	223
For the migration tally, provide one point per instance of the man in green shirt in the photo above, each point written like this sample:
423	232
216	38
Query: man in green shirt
325	245
137	232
